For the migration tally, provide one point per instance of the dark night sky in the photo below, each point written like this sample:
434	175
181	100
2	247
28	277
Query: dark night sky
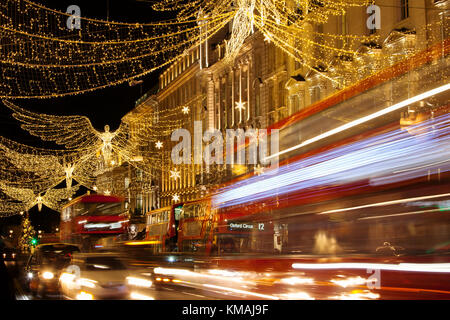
106	106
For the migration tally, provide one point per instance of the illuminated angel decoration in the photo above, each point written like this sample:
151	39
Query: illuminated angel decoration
43	168
242	27
74	132
52	198
78	135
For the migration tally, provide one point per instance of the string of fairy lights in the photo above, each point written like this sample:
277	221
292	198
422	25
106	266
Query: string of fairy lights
40	57
37	42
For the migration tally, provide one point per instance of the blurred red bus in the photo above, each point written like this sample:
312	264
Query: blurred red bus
88	218
162	228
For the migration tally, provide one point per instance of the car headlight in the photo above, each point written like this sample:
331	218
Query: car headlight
30	275
139	282
85	296
47	275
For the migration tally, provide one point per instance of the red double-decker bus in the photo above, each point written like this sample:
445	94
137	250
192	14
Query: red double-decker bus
162	228
89	218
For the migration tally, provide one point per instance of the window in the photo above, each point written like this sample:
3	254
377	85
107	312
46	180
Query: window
404	9
271	98
295	103
257	103
139	204
280	94
315	94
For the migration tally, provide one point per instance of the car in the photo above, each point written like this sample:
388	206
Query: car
98	276
44	266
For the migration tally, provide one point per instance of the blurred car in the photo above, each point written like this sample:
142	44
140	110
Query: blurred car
99	276
44	266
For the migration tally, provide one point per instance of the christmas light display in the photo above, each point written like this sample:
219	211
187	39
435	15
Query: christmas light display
37	42
27	235
52	198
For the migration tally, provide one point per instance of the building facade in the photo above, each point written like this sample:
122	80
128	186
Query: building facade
264	85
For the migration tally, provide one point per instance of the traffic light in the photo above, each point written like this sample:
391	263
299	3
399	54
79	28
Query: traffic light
33	241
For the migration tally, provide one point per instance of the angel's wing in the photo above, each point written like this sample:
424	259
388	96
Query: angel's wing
53	197
21	194
7	207
121	136
74	132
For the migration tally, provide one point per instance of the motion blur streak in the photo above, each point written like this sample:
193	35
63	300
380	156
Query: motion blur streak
367	118
297	280
296	296
249	293
404	214
211	275
374	159
350	281
415	267
387	203
168	271
139	296
357	295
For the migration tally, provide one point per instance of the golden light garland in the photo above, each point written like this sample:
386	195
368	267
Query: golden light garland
34	56
89	152
35	61
52	198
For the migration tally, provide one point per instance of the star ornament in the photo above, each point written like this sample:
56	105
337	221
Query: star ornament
240	105
176	197
259	170
185	110
175	174
158	144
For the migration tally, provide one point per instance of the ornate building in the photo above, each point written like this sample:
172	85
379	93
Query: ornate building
263	85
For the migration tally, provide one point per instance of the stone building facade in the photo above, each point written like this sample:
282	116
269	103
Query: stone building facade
271	85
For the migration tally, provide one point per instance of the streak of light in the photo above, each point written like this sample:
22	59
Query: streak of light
140	296
169	271
296	280
404	214
357	295
141	243
249	293
413	267
367	118
387	203
354	281
296	296
373	160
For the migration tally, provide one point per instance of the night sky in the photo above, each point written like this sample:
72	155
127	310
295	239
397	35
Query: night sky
106	106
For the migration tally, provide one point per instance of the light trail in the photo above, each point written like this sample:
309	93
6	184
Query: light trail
367	118
373	159
412	267
387	203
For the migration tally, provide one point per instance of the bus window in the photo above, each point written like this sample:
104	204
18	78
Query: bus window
202	211
178	211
